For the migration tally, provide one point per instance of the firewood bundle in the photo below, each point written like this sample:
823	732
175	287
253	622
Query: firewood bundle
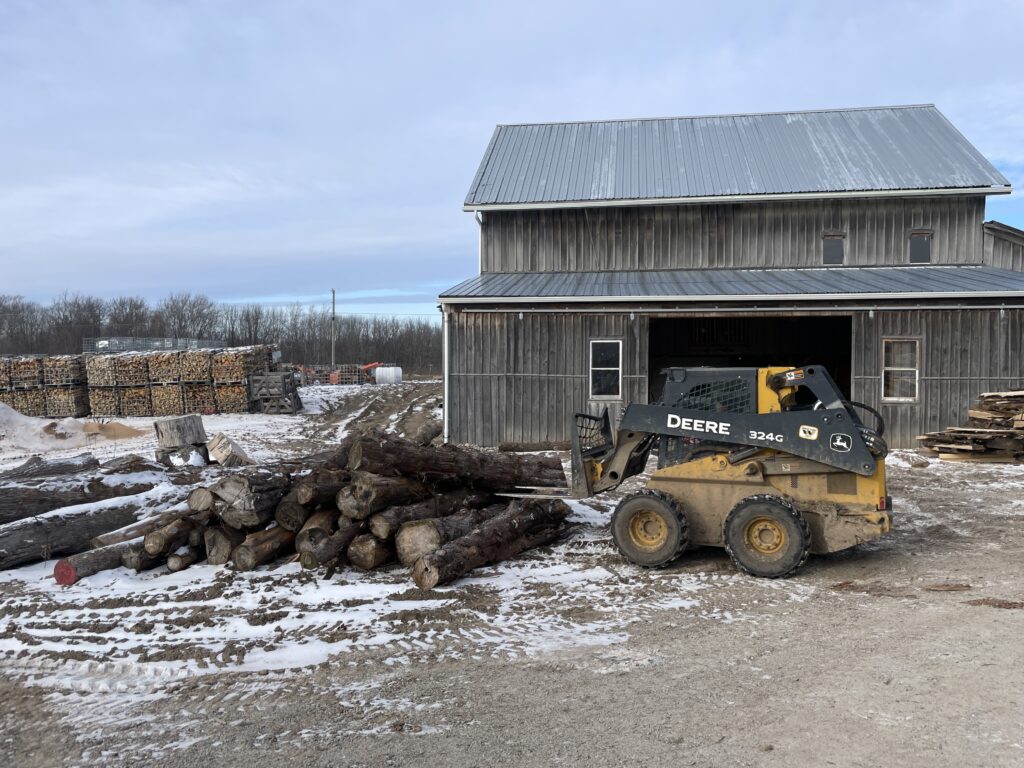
195	365
99	371
198	398
167	399
63	402
5	373
232	366
434	510
131	369
994	431
63	370
164	367
103	401
231	398
29	402
26	372
135	401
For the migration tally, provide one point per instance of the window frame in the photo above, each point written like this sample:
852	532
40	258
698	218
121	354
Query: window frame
591	369
840	236
926	233
917	370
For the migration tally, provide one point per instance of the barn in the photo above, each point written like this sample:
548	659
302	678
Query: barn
610	250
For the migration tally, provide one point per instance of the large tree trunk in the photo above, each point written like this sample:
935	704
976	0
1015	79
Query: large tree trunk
262	547
322	522
321	486
385	524
368	494
420	537
368	552
385	454
61	532
524	525
71	569
141	528
135	558
220	542
18	502
320	548
36	468
289	514
170	537
183	558
179	431
249	498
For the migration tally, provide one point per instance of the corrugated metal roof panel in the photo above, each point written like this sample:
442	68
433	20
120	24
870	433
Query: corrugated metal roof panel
739	284
884	149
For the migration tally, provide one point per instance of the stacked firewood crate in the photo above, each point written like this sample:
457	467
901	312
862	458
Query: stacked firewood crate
376	501
994	431
44	386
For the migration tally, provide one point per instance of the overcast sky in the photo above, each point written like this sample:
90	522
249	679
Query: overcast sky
274	150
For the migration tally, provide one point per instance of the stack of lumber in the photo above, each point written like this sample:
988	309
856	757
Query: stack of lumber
994	431
376	500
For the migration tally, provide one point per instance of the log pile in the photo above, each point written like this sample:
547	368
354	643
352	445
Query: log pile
29	402
134	401
440	518
195	365
5	373
167	399
103	401
99	371
198	398
234	366
131	369
231	398
994	431
165	367
26	372
63	370
63	402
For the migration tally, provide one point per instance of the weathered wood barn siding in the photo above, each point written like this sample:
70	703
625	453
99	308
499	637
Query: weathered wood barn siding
1003	248
963	352
780	234
520	380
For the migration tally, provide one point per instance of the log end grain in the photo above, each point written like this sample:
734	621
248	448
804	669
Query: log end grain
425	574
65	573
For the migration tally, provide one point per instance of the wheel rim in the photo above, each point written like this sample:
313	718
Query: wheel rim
647	530
765	536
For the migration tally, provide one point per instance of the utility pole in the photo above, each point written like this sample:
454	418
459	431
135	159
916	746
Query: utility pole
334	328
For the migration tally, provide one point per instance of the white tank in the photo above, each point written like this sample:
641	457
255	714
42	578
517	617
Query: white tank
389	375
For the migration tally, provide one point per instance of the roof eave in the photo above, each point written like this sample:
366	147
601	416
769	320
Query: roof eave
449	300
992	190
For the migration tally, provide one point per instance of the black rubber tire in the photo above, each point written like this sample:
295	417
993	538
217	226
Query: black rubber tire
791	555
671	514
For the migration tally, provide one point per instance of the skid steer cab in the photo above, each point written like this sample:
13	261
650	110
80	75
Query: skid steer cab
771	463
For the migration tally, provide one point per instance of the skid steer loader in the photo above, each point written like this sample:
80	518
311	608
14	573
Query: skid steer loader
770	463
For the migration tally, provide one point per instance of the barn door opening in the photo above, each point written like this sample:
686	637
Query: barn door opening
750	342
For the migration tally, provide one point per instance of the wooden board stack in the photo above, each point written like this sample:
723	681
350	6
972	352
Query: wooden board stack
994	431
376	500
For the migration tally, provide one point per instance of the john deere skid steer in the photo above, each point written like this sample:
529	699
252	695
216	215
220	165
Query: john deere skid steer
770	463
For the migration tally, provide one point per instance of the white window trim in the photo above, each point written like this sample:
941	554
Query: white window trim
917	370
591	369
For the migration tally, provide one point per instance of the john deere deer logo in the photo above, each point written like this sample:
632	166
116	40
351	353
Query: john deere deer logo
841	442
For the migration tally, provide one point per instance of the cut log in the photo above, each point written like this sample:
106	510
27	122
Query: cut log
170	537
385	524
324	547
369	493
188	455
323	521
200	499
367	552
18	502
220	542
262	547
420	537
524	525
180	431
70	569
321	486
141	528
183	558
61	532
227	452
250	498
36	468
291	515
386	454
135	558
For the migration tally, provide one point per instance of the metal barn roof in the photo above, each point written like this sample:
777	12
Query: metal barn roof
855	152
736	285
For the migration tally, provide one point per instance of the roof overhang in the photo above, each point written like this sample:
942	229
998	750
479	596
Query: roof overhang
774	197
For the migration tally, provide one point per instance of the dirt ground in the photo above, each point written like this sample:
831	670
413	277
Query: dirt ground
907	651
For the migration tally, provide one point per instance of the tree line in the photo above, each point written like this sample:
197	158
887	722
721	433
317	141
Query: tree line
303	333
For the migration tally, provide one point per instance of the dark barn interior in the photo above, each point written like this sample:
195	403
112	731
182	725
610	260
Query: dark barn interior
750	342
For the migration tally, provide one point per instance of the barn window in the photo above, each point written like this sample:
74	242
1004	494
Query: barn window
920	247
901	369
606	369
832	249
